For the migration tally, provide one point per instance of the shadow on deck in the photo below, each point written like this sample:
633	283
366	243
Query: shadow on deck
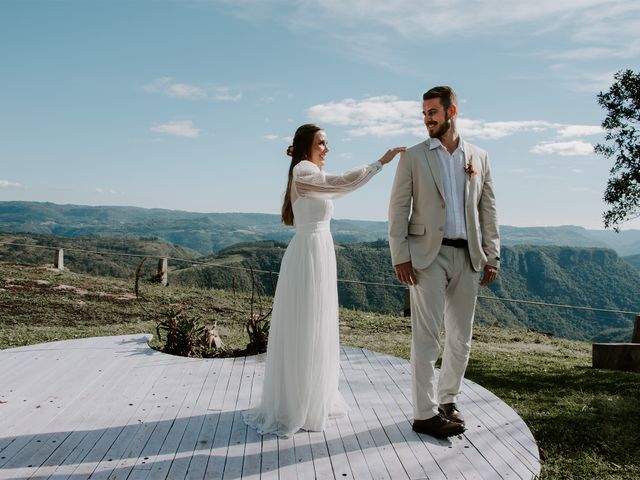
111	407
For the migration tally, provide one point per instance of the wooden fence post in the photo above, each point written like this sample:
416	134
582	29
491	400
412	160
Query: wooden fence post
163	274
635	338
58	261
407	303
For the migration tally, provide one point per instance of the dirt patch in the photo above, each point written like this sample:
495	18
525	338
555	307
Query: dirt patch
121	297
71	289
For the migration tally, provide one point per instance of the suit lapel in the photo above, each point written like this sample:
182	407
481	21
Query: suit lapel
468	159
434	165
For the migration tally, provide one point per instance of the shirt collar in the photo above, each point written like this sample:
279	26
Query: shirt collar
435	143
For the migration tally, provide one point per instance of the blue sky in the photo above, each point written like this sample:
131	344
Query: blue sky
190	105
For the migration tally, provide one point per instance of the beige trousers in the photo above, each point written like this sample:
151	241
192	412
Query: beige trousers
445	290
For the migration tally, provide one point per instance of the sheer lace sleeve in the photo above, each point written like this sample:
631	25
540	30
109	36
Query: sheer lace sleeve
310	181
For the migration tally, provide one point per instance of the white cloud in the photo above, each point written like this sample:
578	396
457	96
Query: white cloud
579	80
389	116
365	112
589	27
8	184
170	88
630	49
179	128
494	130
586	53
427	17
183	90
270	136
228	98
375	116
166	86
584	20
616	25
601	32
108	191
572	148
579	130
222	95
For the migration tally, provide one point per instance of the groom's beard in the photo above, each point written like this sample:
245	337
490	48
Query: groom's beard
442	129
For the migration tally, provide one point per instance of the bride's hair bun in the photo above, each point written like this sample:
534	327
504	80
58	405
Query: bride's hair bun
290	150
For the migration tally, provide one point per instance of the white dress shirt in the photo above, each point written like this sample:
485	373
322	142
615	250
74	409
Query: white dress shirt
453	178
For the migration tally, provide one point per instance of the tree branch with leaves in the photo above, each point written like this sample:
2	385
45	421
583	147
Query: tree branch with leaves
622	143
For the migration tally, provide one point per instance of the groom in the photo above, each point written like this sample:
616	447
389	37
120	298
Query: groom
443	231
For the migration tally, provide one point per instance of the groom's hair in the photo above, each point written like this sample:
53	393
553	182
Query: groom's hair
446	95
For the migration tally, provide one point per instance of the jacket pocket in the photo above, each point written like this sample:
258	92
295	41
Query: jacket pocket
416	229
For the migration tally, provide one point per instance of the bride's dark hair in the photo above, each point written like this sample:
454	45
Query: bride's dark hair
300	150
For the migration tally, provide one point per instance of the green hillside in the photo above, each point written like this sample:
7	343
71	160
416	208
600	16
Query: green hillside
585	277
634	261
123	254
202	232
207	233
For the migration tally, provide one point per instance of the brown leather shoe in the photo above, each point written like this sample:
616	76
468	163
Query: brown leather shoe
438	427
451	412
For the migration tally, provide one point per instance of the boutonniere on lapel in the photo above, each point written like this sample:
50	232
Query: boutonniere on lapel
468	169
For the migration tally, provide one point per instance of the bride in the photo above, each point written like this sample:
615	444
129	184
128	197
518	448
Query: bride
300	389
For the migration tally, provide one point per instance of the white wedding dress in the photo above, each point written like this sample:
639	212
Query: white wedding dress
300	389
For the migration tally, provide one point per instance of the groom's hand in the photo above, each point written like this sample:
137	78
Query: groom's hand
489	275
405	273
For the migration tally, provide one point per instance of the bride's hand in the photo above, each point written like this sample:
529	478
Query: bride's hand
391	153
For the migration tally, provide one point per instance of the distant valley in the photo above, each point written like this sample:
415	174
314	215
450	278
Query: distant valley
580	276
586	277
560	265
207	233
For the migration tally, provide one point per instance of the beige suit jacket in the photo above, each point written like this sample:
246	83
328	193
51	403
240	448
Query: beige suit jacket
417	209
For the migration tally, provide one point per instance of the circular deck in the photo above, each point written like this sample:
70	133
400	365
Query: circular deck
111	407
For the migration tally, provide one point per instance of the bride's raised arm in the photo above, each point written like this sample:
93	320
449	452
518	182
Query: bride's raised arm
309	180
313	182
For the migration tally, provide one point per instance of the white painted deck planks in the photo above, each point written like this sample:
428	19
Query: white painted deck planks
113	408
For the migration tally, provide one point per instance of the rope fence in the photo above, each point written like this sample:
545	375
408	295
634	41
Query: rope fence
163	266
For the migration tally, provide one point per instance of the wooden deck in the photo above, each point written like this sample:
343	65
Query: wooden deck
114	408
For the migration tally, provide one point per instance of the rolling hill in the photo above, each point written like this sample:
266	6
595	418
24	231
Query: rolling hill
559	265
207	233
585	277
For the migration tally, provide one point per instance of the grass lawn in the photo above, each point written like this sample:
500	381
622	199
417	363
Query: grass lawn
584	420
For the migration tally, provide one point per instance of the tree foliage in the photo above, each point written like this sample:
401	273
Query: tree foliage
622	126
